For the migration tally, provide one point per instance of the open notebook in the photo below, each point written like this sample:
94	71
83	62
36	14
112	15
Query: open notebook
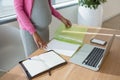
41	63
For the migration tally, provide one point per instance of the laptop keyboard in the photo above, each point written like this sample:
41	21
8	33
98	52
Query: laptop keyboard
94	57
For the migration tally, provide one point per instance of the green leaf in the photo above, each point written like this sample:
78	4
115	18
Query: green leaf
91	3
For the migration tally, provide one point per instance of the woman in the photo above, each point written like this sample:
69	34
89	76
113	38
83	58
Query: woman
34	16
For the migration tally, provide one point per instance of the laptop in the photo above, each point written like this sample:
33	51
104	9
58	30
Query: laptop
90	56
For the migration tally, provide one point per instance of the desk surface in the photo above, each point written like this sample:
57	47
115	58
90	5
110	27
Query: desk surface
110	70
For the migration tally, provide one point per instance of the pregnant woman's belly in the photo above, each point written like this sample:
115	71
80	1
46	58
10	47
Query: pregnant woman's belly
41	14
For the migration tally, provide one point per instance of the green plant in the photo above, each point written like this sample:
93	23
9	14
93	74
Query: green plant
91	3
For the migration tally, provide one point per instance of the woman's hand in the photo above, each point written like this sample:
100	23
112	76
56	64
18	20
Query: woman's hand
39	42
67	23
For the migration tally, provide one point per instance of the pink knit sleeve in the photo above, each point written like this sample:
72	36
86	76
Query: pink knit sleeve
23	19
54	12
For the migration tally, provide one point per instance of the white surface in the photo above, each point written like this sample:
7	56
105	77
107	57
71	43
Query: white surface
90	17
98	41
63	48
35	66
42	62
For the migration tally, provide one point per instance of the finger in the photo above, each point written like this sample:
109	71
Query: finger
69	23
44	45
40	45
37	44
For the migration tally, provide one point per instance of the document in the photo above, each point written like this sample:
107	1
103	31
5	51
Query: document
62	47
75	34
41	63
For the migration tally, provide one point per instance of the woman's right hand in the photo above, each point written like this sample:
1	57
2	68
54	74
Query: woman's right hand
39	42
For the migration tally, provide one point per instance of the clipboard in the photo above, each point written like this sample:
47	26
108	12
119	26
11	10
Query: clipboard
54	57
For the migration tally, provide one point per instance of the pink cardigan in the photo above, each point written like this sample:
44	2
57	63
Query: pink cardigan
23	13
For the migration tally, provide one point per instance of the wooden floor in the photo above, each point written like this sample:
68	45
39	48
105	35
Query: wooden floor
113	23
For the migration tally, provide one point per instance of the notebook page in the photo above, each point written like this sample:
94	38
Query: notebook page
51	59
35	66
63	48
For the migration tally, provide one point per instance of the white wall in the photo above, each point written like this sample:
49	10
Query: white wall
111	8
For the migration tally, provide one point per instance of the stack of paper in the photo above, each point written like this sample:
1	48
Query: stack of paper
62	47
67	40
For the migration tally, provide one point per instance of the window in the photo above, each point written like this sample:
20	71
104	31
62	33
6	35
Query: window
61	1
7	11
58	4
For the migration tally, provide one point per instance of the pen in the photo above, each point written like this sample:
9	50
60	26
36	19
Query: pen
33	59
36	59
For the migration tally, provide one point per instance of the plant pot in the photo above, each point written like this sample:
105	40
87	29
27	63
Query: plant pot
90	17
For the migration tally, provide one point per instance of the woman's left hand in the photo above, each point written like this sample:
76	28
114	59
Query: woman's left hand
67	23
